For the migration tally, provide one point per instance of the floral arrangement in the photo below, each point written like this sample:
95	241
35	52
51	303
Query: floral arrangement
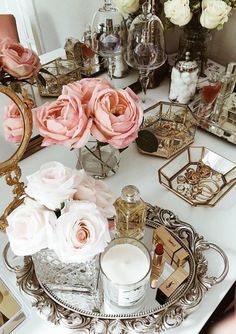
17	64
210	13
90	106
64	210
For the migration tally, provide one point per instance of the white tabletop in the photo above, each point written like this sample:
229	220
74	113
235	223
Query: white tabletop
217	224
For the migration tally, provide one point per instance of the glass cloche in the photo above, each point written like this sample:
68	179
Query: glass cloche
109	33
146	44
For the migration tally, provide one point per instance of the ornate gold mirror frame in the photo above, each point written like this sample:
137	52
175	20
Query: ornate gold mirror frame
9	168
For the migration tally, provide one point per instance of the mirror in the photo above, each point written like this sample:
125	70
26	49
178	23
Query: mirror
15	133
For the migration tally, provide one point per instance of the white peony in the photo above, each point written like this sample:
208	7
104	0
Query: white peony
214	13
127	6
52	185
95	191
81	232
178	11
30	228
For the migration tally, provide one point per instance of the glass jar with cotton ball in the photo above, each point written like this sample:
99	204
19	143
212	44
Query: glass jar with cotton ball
184	78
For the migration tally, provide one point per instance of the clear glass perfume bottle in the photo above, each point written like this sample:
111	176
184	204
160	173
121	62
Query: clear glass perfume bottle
131	213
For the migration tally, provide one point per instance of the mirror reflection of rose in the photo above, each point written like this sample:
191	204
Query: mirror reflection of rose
81	232
13	124
20	62
117	116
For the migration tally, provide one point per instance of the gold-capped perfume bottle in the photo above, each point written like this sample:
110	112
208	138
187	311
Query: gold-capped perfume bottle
131	213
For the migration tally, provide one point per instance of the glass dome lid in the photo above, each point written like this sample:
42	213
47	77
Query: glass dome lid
146	44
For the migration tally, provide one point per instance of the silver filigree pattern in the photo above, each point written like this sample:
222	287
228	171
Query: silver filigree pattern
154	322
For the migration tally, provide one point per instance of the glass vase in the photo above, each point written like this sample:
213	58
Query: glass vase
99	160
195	39
69	279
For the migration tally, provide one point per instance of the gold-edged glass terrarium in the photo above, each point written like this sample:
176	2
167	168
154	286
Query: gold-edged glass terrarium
167	129
57	73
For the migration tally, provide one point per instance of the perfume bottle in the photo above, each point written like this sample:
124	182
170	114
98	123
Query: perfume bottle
131	213
157	265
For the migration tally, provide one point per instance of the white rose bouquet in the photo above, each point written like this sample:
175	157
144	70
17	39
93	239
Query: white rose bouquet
209	13
64	210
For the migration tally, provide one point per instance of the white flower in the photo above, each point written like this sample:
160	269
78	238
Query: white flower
30	228
127	6
95	191
81	232
178	11
51	185
214	13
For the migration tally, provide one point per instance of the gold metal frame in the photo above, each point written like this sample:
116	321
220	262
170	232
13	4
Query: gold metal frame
9	168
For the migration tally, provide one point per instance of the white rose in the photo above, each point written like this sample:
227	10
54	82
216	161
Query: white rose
178	11
30	228
81	232
51	185
214	13
95	191
127	6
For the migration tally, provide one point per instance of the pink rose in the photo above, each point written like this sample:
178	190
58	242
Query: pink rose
63	122
117	116
18	61
85	87
95	191
13	124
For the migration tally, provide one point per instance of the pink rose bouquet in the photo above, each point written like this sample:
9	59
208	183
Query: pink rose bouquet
90	106
13	124
64	210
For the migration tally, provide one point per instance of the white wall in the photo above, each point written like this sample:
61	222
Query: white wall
53	21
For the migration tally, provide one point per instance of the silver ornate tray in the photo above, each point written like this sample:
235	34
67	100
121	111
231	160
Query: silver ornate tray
153	317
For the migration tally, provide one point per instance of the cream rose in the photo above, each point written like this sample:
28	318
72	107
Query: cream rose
52	185
81	232
95	191
214	13
30	228
127	6
178	11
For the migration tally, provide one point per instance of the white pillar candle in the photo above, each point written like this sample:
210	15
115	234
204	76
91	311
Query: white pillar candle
125	268
125	264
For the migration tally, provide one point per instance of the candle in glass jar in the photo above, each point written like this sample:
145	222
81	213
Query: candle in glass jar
125	268
125	264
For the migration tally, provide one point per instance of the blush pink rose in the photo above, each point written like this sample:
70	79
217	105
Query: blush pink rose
18	61
95	191
86	87
81	232
117	116
63	122
13	124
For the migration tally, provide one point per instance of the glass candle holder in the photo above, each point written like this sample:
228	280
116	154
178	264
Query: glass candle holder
125	269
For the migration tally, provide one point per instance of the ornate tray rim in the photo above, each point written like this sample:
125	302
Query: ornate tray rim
161	320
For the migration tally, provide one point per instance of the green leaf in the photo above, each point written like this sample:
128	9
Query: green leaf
147	141
16	86
42	80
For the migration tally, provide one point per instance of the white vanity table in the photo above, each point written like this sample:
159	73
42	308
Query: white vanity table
217	224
